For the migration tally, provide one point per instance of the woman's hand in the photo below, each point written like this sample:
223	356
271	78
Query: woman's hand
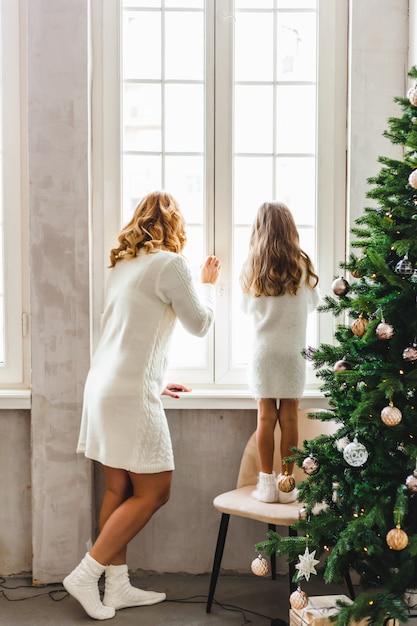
172	390
210	270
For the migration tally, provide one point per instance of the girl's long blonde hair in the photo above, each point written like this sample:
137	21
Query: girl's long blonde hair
275	264
156	223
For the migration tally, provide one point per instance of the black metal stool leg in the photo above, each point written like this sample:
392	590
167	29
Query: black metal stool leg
218	555
273	559
348	581
291	567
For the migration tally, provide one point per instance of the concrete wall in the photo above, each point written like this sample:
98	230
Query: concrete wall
56	524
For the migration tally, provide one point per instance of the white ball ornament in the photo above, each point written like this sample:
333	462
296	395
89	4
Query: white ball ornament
355	453
259	566
412	179
412	96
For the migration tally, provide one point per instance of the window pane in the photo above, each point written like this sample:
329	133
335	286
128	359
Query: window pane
297	4
184	118
141	57
141	175
296	119
146	4
254	47
184	177
295	185
250	4
142	117
296	46
253	118
252	186
184	46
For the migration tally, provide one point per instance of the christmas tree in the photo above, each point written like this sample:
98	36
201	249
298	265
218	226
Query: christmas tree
360	491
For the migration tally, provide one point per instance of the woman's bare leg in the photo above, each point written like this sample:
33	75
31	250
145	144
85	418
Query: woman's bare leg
150	492
118	489
288	421
267	419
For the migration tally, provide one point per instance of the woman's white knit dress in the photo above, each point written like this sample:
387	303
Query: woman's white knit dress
123	422
277	368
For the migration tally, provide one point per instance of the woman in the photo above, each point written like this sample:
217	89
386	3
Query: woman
123	422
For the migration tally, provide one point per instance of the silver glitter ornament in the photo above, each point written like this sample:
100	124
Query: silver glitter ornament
310	465
411	481
410	353
404	267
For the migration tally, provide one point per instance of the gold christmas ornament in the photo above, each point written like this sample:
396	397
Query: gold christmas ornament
286	482
384	330
359	326
412	96
259	566
298	599
412	179
390	415
356	273
397	539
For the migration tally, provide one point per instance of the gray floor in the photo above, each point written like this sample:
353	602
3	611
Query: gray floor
239	600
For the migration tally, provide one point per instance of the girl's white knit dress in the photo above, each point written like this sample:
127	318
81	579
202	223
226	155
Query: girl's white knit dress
277	368
123	422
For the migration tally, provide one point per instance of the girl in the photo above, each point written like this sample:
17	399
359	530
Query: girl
123	423
279	290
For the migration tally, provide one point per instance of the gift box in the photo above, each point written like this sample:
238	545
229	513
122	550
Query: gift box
318	611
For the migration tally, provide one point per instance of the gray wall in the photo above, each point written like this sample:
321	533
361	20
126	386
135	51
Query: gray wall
47	491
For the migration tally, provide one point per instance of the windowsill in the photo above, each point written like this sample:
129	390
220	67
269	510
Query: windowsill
15	399
229	398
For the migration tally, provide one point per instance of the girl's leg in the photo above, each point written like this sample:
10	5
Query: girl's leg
267	419
150	492
288	421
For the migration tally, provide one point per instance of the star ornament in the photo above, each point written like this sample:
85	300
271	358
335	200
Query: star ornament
306	565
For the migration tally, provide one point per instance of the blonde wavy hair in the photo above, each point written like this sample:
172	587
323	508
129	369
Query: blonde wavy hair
156	223
275	264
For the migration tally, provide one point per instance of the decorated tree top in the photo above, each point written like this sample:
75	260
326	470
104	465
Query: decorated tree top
361	505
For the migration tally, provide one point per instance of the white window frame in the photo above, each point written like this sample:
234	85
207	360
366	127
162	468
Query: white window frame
14	374
331	170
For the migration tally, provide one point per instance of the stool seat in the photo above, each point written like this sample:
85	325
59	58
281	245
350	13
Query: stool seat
240	502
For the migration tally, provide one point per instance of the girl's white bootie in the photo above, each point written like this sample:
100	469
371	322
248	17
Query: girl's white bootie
266	489
119	593
82	584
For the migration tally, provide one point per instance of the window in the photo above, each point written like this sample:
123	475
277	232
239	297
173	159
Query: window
224	104
12	318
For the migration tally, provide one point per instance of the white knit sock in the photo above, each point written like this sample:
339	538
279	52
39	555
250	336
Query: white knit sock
82	584
119	593
266	489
